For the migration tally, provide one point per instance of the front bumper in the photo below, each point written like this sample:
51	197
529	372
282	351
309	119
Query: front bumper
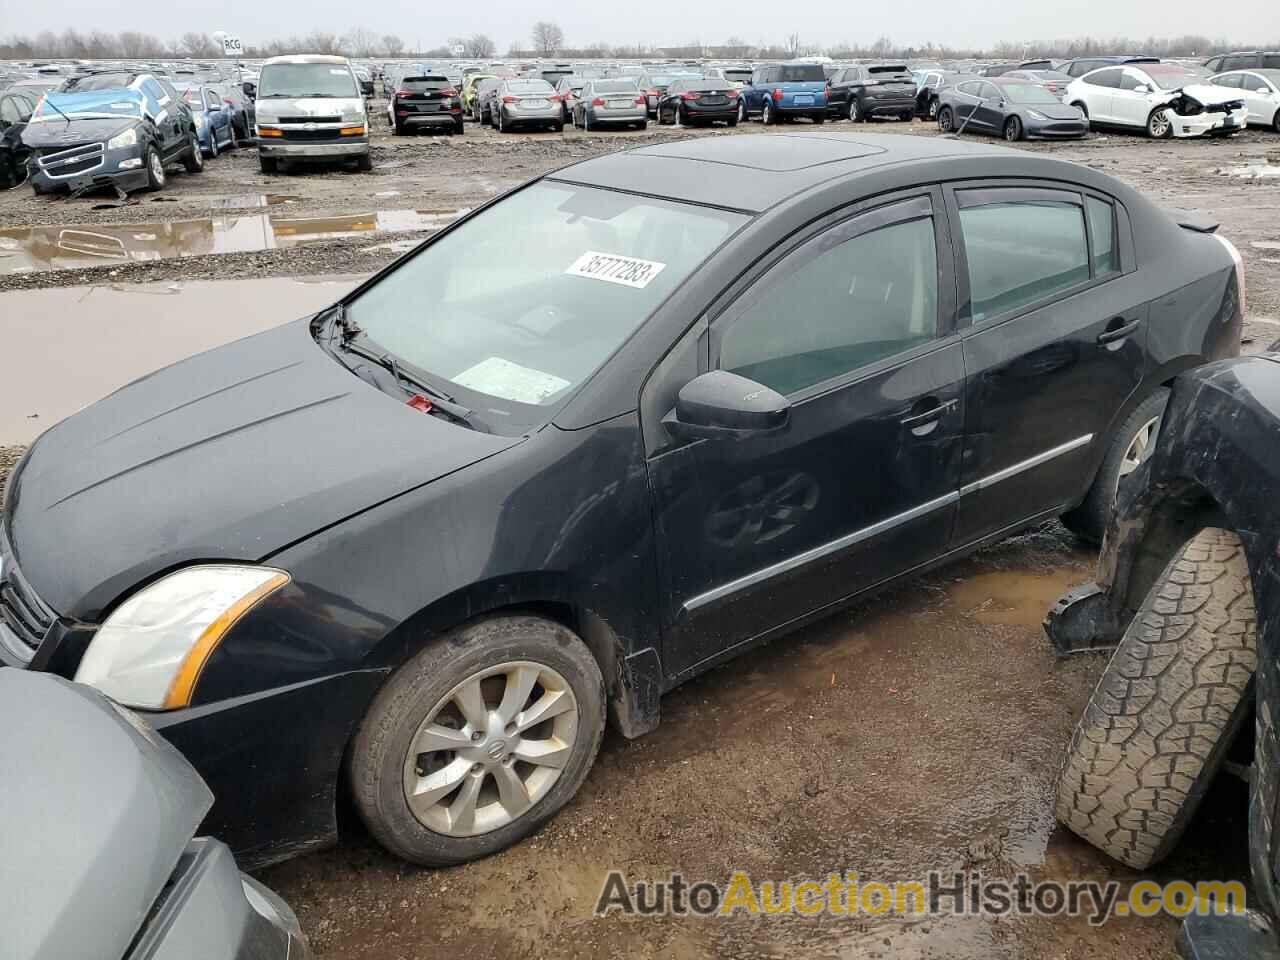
1057	129
273	760
105	171
313	150
1204	124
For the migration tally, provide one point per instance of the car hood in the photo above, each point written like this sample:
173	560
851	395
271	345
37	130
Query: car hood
89	845
59	133
229	455
1207	94
1054	111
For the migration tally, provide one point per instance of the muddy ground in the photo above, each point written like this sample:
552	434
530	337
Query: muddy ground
920	730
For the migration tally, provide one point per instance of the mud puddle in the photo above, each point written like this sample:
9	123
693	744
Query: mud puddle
89	341
42	248
1011	597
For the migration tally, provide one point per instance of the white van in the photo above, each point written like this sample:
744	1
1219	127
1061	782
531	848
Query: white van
309	107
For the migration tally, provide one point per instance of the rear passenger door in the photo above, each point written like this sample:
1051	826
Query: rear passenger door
1055	345
1102	87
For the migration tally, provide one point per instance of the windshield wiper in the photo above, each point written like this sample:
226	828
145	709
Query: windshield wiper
50	103
362	346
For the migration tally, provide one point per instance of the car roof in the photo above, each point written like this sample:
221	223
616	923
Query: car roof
306	58
755	172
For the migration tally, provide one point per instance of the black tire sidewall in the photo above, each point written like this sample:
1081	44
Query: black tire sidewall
381	744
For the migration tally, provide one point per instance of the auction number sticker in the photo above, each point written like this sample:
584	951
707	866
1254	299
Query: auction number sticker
611	268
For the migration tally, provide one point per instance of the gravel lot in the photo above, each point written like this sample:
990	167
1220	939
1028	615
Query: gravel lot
920	730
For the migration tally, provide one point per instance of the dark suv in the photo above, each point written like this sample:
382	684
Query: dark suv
1258	59
1079	67
873	90
110	130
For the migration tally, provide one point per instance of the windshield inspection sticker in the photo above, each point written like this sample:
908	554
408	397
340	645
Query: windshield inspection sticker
628	271
510	381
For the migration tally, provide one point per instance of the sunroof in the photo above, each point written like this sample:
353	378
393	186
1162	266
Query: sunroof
766	152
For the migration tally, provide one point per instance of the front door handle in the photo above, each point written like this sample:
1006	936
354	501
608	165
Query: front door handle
1114	332
930	412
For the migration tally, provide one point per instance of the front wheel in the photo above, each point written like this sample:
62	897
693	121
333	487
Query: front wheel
946	120
1133	441
1275	122
1013	129
1159	126
933	110
213	143
1167	708
364	163
478	740
267	164
155	169
742	110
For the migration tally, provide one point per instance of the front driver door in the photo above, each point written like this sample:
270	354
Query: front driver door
853	327
990	111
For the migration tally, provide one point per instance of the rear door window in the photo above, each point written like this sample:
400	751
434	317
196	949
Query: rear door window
1022	246
1231	80
1106	78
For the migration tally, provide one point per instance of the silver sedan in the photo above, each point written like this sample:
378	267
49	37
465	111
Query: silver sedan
526	103
607	102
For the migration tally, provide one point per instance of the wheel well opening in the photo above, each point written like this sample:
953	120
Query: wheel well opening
1177	518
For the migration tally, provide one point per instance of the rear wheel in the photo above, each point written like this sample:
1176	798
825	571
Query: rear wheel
558	126
478	740
767	116
1159	124
1167	709
460	127
267	164
193	160
1013	129
742	110
820	118
733	121
1133	441
1275	122
933	108
946	120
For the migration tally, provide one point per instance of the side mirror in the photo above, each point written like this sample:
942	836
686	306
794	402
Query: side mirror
250	89
723	404
1142	88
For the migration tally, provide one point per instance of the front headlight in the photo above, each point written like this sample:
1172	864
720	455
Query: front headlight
150	652
1036	116
126	139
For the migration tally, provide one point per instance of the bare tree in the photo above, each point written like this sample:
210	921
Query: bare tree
317	41
359	42
135	44
198	45
547	38
793	45
392	45
735	48
480	45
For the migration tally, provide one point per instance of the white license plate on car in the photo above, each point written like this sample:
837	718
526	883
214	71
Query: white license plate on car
533	103
617	104
804	101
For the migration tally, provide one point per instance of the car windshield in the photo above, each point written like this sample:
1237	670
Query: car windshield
801	73
1027	93
614	86
102	103
1168	76
520	304
529	86
1050	76
306	80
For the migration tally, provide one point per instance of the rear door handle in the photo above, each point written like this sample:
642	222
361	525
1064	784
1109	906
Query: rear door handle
1112	334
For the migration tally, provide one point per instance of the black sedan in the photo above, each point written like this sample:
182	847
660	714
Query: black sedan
16	108
692	100
589	441
1012	109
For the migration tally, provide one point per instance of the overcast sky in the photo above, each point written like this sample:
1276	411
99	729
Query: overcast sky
658	22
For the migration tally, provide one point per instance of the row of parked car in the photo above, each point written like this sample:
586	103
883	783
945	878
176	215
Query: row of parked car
118	128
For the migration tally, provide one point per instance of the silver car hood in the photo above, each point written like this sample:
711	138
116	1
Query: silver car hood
97	810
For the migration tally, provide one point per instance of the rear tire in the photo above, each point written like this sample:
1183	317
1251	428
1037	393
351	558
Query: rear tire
1089	520
1275	122
267	164
732	121
386	754
459	126
767	116
946	120
193	161
1167	708
821	119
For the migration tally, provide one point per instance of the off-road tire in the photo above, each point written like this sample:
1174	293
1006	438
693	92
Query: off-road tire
378	751
1167	708
1089	520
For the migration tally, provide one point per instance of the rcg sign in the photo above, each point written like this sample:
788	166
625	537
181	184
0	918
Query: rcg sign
231	47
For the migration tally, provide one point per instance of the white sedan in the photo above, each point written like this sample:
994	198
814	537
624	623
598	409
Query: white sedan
1164	99
1260	90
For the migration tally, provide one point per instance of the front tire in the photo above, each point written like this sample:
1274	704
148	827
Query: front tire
1013	131
853	110
155	169
1132	442
267	164
478	740
1275	122
742	109
1167	708
213	143
1159	126
364	163
946	120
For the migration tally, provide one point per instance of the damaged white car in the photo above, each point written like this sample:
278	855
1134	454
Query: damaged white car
1164	99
